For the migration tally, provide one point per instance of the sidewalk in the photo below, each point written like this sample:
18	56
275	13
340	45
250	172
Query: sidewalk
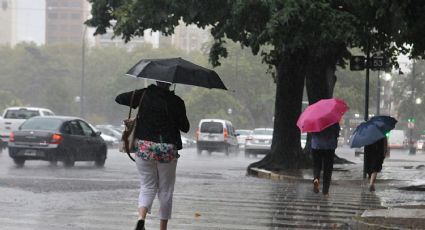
403	203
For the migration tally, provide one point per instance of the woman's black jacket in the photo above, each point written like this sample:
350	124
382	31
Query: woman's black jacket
162	115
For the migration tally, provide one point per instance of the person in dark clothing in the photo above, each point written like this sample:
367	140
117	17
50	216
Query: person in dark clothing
374	155
161	117
323	146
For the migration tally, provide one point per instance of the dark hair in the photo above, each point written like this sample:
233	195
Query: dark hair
162	84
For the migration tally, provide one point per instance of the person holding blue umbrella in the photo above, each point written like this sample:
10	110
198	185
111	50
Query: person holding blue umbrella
374	158
373	135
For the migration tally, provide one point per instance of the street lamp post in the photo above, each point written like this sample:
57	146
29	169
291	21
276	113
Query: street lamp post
83	70
413	103
378	95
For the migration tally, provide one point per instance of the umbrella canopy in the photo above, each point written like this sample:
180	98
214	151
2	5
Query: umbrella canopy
372	130
322	114
176	70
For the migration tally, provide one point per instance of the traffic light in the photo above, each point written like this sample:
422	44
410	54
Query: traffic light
357	63
411	120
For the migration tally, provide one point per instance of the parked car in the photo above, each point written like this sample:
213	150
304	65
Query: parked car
241	135
216	135
397	139
111	136
111	142
420	144
259	142
57	138
187	142
13	117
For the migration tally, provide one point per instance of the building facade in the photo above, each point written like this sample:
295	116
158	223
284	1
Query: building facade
22	21
65	20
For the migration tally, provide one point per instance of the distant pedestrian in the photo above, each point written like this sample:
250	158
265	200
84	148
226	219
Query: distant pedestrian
323	146
374	155
162	115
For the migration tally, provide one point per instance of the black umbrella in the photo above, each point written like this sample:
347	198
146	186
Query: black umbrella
176	70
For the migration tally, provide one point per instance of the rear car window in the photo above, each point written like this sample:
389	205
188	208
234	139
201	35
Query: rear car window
263	132
41	124
211	127
21	114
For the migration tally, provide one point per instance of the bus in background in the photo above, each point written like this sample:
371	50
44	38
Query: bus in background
397	139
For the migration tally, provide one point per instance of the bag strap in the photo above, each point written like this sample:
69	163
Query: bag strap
129	113
131	103
140	104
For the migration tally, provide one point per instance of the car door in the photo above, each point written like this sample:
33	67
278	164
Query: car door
80	140
232	136
70	141
92	141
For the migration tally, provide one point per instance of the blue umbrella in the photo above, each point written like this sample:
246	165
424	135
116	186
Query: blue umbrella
372	130
385	123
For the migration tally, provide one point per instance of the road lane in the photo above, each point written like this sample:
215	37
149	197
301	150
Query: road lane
212	192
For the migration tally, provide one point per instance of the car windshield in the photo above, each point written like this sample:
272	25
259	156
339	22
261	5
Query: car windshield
211	127
21	114
41	124
243	132
263	132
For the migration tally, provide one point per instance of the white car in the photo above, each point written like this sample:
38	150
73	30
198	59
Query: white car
13	117
259	142
241	135
187	142
216	135
110	140
420	144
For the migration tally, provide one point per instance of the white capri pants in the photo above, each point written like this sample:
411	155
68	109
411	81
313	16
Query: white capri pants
157	178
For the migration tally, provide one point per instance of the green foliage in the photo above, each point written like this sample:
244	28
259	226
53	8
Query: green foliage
50	76
7	99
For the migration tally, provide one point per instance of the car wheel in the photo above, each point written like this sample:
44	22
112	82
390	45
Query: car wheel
19	162
69	161
100	158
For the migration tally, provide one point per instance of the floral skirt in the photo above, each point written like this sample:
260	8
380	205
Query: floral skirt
160	152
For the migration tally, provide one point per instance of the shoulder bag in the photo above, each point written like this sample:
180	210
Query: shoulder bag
128	142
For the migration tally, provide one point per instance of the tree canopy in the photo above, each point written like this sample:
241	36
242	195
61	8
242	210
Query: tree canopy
303	41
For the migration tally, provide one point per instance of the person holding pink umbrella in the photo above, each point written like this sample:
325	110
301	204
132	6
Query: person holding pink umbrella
323	145
321	119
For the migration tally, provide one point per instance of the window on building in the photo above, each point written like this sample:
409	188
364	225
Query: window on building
76	16
52	15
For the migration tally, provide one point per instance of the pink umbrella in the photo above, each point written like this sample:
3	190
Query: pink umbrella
322	114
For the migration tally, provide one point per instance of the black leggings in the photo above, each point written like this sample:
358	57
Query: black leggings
323	157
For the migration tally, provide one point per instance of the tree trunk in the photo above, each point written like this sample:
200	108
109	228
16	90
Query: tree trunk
321	79
286	152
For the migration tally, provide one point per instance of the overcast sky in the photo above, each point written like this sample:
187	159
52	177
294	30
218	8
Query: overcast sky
30	20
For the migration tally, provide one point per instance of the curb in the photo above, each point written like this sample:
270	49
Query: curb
357	222
262	173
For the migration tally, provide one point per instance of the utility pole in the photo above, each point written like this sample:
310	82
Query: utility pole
378	95
411	119
83	72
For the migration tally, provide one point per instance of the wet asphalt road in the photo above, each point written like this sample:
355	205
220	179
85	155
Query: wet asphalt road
212	192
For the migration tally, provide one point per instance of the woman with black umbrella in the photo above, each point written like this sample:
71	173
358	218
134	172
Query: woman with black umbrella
161	117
